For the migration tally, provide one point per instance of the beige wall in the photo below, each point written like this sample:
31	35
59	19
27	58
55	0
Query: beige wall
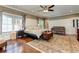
30	22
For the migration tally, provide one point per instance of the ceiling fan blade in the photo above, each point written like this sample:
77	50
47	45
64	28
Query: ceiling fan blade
41	6
45	6
50	10
51	6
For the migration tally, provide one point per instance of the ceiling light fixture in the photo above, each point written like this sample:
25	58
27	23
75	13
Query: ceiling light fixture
45	10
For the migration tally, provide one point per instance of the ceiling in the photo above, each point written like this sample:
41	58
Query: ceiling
59	10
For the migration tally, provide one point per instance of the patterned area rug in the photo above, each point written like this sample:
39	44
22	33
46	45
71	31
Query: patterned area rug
57	44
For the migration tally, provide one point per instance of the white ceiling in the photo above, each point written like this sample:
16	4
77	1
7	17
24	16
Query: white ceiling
59	10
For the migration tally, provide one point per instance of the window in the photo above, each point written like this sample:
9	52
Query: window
41	23
6	23
11	23
17	23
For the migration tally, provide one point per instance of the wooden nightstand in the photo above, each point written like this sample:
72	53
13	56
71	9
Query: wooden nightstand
46	35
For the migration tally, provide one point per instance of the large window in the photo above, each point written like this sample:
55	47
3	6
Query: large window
11	23
17	23
41	23
7	23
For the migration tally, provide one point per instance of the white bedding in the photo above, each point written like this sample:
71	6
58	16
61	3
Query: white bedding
37	32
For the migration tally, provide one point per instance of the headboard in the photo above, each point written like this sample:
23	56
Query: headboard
58	30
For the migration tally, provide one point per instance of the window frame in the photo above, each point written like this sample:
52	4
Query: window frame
13	20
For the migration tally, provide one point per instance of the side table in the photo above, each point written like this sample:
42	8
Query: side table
46	35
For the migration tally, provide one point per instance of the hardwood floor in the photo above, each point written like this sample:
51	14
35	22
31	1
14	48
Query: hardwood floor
24	40
24	47
29	49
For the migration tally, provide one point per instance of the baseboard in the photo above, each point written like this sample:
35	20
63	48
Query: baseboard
71	34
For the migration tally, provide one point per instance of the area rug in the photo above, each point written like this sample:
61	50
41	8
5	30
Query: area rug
57	44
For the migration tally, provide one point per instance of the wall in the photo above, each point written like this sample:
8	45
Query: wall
30	22
66	22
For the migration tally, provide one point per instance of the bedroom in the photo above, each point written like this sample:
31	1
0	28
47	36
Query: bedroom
35	23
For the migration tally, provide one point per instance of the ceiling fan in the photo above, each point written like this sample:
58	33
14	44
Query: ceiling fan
47	8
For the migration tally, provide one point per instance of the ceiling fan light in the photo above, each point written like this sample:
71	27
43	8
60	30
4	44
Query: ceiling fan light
45	11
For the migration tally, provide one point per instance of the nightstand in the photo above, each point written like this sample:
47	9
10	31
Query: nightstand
46	35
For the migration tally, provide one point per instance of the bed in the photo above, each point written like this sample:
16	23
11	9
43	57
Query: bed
35	31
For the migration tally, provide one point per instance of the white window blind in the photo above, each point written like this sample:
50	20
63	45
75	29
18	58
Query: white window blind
17	23
11	23
7	23
41	23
